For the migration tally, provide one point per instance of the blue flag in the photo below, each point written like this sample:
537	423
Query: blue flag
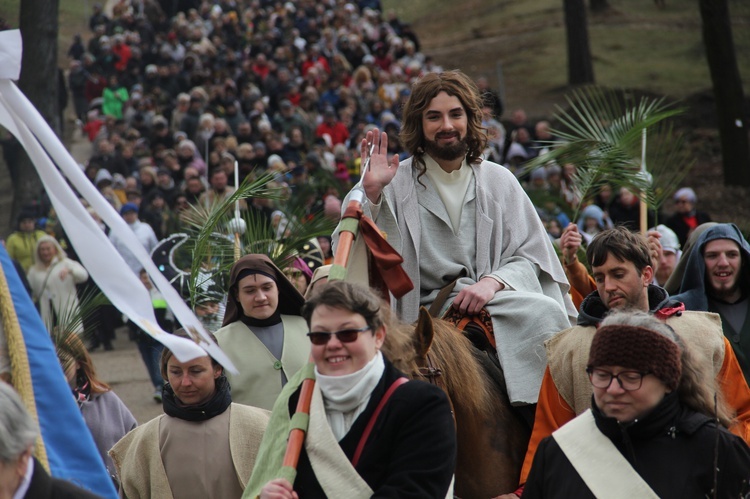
70	450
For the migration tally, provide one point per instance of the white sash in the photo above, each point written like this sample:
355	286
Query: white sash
602	467
332	468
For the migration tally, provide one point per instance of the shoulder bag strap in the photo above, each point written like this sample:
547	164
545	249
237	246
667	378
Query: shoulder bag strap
46	278
374	417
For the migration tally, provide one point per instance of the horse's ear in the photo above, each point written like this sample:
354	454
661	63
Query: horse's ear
424	332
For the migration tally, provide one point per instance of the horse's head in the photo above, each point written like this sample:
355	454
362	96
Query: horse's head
435	350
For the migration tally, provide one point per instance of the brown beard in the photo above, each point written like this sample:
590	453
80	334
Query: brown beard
446	153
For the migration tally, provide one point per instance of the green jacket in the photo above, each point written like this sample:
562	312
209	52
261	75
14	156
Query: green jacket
21	245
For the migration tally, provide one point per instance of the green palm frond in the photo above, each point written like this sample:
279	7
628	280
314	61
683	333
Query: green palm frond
669	161
73	314
601	133
211	240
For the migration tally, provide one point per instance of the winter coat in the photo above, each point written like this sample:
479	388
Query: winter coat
672	448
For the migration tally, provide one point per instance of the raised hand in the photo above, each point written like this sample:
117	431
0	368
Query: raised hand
380	171
655	248
570	241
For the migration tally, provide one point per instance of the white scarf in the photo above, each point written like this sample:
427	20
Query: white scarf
345	397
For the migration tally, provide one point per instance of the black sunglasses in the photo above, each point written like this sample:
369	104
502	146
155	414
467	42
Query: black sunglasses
344	336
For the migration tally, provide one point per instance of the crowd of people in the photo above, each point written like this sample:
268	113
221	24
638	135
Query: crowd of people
641	352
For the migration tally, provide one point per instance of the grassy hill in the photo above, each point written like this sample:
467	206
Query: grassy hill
520	45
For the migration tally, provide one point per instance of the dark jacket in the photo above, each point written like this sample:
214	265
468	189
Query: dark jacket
672	449
411	451
43	486
593	309
680	227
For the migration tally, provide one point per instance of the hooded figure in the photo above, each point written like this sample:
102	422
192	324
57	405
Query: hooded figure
698	290
53	278
592	221
263	332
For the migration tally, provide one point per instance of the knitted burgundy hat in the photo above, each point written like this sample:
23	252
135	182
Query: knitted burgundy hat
637	348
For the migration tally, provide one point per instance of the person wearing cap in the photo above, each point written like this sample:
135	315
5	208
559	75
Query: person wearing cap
263	333
21	243
686	217
717	279
457	220
670	255
654	428
621	262
144	234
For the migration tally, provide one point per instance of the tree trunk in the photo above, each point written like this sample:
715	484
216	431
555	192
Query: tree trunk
598	5
38	21
580	69
725	75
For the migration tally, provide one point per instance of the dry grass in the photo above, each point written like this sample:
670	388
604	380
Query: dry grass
520	47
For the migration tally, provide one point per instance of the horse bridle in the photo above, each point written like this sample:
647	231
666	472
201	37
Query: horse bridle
426	369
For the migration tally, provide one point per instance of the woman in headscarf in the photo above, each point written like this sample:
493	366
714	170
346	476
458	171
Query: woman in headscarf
53	278
655	428
263	332
371	431
202	446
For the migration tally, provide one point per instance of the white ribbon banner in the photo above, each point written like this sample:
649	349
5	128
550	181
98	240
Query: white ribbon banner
97	254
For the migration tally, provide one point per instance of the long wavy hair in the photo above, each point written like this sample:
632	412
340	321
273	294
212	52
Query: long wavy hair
71	349
456	84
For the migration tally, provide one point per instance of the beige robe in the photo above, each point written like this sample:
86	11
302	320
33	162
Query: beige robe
258	382
140	464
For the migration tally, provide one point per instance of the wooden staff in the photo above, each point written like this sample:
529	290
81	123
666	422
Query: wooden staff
644	174
341	259
238	224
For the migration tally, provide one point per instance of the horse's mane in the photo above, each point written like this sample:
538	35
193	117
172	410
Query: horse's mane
468	386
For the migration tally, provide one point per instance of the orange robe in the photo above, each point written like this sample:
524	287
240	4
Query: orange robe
552	411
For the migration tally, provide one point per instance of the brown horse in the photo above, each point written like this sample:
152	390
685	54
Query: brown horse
491	438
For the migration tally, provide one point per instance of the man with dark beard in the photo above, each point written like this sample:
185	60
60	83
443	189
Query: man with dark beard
462	222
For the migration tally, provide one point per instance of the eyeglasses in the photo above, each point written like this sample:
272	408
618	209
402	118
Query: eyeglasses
345	335
628	380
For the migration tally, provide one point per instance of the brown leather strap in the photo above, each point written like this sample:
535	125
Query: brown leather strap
442	295
374	417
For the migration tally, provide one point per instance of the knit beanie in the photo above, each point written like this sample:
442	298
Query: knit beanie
637	348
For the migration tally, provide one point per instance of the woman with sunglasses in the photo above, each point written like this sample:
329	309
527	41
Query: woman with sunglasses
370	432
655	428
202	446
263	333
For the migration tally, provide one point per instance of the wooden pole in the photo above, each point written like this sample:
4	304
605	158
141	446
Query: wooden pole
341	258
644	173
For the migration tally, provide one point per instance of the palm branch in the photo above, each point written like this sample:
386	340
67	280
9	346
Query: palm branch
601	134
211	242
73	314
